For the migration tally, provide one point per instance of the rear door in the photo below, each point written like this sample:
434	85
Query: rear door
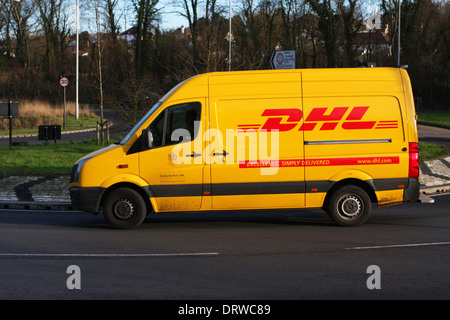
353	138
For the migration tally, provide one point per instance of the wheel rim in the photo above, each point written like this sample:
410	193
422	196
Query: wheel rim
350	207
123	209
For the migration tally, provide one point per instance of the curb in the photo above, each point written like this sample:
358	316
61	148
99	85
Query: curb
32	205
440	189
29	135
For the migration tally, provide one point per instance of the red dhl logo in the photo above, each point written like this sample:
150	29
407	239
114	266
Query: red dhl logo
289	119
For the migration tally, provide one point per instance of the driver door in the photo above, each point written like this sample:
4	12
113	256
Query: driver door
174	165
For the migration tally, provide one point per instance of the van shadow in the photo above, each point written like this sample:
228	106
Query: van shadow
237	218
77	219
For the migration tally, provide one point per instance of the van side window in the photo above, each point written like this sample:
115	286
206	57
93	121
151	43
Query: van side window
181	116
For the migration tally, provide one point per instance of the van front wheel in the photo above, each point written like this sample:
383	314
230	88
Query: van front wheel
124	208
349	206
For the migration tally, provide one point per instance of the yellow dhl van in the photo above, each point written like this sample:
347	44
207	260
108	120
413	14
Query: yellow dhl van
337	139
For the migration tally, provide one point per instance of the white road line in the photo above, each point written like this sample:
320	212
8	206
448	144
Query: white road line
438	194
104	255
401	246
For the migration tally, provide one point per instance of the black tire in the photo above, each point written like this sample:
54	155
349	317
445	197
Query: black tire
124	208
349	206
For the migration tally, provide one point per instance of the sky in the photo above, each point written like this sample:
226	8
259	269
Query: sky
170	18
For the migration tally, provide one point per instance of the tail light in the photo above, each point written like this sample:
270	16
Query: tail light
413	160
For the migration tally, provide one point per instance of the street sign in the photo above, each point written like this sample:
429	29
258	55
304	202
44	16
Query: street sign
9	108
63	82
49	132
283	59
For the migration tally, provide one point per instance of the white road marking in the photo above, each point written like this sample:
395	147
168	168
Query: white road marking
401	245
104	255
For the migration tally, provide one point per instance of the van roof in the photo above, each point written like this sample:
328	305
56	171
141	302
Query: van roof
324	82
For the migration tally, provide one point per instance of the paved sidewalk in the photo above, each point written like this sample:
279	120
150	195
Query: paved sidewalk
42	192
435	176
52	193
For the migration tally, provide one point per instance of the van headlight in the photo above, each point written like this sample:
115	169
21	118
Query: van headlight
75	175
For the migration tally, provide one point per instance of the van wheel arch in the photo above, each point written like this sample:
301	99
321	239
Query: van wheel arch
346	184
132	186
359	183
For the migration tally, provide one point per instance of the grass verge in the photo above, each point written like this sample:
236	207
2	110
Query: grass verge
42	159
440	119
429	151
83	122
34	113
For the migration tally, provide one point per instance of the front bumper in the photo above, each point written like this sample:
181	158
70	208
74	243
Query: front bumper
86	199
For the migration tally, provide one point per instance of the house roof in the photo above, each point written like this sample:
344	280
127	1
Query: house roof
373	38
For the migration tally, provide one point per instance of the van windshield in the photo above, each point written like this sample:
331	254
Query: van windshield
136	127
144	118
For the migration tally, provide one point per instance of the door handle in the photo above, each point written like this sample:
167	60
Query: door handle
223	153
193	155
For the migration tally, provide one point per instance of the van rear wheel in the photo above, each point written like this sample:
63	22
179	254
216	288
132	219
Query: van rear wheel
124	208
349	206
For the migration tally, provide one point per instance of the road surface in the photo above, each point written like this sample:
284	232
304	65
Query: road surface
275	255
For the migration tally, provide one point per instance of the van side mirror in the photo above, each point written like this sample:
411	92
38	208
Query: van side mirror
146	139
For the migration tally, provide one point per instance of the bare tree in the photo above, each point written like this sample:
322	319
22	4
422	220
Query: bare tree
351	24
390	17
117	56
212	30
327	26
20	14
248	35
5	20
146	14
54	22
3	14
191	13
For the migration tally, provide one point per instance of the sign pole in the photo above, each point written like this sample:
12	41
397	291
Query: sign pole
399	25
64	82
229	42
10	123
64	117
77	60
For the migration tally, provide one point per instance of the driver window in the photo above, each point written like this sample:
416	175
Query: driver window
181	116
157	129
